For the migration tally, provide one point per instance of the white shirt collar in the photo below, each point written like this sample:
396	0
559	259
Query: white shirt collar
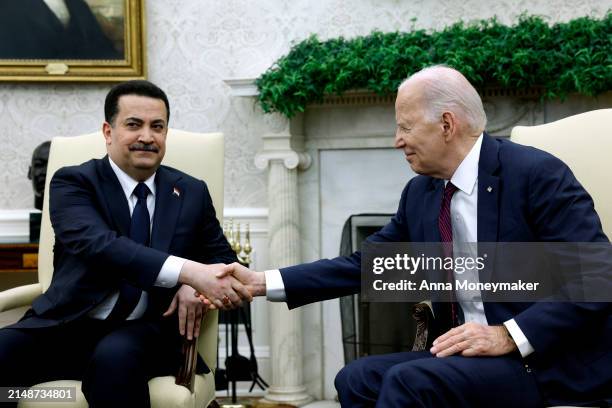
128	184
466	174
58	7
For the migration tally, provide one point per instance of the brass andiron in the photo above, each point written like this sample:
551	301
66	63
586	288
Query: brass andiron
243	252
186	373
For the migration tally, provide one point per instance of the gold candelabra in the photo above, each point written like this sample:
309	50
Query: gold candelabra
243	252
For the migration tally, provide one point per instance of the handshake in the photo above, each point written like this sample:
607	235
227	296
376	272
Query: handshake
222	286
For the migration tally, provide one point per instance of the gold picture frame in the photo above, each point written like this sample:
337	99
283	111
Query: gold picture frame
118	55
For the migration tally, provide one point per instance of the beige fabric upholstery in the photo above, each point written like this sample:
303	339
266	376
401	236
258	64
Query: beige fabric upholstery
80	401
200	155
12	315
19	296
164	394
584	143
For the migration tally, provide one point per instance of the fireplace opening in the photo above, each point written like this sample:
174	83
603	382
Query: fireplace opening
371	327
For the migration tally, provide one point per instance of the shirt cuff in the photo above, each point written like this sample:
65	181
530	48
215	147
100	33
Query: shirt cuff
524	347
169	272
275	287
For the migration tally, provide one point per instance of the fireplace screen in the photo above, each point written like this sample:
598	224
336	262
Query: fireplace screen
371	328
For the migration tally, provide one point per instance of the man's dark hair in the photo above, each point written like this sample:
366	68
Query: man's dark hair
136	87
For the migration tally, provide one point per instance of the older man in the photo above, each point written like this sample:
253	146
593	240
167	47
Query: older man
471	188
124	242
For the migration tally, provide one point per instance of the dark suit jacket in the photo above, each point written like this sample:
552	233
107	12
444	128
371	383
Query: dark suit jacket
30	30
534	197
93	254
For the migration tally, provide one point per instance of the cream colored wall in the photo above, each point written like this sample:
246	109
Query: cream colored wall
193	45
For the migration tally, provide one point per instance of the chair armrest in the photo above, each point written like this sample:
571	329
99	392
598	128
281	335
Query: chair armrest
19	296
207	341
425	332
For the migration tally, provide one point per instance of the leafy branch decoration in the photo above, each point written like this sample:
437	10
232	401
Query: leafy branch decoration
563	58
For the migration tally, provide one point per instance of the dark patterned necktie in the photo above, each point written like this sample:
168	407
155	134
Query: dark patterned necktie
446	237
140	230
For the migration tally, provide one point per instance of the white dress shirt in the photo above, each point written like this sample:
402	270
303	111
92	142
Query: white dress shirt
58	7
464	220
170	270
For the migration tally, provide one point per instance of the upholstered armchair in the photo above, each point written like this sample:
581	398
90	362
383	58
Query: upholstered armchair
200	155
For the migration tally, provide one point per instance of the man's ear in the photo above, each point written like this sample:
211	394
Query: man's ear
449	125
30	172
106	131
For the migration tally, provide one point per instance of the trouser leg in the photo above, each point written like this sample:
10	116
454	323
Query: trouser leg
123	362
468	382
359	382
30	356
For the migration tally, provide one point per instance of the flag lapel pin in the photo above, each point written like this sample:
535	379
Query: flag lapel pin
176	192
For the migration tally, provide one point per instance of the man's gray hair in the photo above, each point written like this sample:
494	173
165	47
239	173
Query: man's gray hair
446	89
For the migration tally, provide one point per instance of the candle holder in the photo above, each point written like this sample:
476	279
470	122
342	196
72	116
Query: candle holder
243	252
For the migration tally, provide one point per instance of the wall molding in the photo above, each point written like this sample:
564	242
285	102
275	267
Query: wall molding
261	352
15	225
242	86
256	217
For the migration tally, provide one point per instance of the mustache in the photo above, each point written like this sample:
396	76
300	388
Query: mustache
143	147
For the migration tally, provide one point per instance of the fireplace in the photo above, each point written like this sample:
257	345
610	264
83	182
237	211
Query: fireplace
371	327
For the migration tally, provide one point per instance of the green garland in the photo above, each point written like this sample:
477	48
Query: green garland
567	57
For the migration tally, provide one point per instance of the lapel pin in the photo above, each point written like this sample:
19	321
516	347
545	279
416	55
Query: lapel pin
177	192
489	189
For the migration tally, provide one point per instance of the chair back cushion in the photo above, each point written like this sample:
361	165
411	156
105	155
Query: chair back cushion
584	143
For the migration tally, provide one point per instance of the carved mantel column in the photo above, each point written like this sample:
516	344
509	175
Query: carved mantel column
283	157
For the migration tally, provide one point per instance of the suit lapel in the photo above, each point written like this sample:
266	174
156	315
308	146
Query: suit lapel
488	203
115	198
488	191
432	200
168	201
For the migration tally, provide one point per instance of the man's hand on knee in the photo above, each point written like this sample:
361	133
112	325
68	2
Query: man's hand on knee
473	339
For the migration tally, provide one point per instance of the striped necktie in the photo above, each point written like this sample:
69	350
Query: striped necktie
446	237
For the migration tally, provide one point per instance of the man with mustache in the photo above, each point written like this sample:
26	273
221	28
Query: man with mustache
128	251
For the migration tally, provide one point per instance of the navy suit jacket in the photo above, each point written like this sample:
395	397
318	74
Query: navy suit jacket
93	253
534	197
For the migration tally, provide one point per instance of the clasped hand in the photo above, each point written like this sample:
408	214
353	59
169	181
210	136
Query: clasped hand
254	283
216	284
